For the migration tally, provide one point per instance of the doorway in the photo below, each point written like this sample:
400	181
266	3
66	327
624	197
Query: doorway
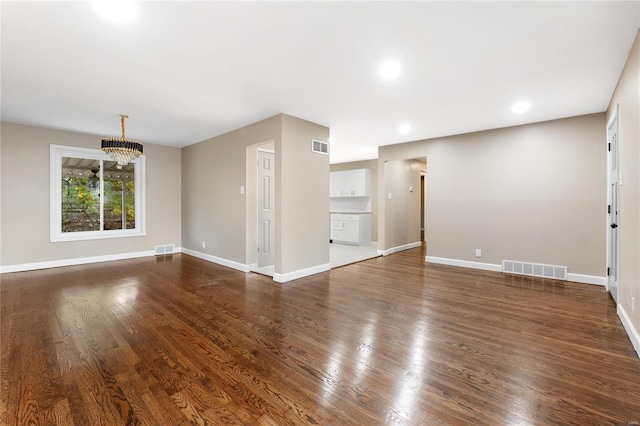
423	207
251	192
613	210
405	203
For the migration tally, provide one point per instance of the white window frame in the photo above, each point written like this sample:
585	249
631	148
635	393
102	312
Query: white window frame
55	197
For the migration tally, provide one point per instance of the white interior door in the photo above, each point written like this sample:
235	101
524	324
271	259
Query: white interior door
613	210
266	202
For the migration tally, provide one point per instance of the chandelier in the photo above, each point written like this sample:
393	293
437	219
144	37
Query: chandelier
122	150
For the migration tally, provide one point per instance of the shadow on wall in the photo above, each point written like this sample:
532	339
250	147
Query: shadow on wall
404	201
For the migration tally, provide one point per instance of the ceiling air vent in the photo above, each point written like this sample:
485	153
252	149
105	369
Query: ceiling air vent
319	147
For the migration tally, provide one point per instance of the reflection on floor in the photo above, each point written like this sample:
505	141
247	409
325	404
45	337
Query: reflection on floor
264	270
339	255
343	254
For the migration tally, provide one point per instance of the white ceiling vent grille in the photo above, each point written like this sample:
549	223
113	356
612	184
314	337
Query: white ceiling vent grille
319	147
534	269
165	249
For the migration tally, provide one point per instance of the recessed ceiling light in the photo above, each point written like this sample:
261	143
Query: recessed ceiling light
390	70
331	139
520	107
404	129
116	11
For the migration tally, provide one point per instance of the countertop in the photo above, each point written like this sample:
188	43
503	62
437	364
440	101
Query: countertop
349	212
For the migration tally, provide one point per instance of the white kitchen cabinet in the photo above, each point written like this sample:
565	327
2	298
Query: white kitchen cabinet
358	183
351	232
351	183
351	228
337	184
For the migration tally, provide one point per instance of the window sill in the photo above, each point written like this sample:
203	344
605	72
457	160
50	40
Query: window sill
95	235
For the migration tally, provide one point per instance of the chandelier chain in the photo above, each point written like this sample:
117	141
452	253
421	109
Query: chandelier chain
122	117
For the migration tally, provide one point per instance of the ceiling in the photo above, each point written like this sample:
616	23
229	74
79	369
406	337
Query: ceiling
188	71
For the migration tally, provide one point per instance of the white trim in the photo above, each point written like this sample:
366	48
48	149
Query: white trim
76	261
399	248
464	263
587	279
578	278
613	117
218	260
608	217
301	273
633	334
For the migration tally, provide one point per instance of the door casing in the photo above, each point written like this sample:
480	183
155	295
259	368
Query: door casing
613	206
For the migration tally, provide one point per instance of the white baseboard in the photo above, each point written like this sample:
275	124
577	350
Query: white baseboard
587	279
578	278
290	276
218	260
464	263
630	329
399	248
76	261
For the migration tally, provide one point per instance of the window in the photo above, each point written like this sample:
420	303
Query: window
91	198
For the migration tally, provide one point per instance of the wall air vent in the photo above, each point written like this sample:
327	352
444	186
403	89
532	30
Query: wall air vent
319	147
534	269
165	249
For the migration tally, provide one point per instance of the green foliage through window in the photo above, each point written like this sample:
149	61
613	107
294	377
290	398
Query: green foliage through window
80	205
81	183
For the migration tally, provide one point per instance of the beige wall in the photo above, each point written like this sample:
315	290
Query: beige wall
627	96
213	209
25	198
402	211
533	193
373	166
302	197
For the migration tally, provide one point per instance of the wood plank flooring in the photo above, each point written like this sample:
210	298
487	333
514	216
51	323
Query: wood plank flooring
389	341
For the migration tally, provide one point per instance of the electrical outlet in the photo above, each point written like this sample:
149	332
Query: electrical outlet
203	245
478	252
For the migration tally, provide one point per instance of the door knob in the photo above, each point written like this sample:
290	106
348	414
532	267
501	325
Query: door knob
614	226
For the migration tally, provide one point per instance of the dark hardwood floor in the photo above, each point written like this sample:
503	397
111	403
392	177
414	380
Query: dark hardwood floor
177	341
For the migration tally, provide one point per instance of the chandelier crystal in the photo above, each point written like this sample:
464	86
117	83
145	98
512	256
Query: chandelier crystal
122	150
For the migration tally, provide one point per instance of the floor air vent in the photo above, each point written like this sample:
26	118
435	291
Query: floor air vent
166	249
534	269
